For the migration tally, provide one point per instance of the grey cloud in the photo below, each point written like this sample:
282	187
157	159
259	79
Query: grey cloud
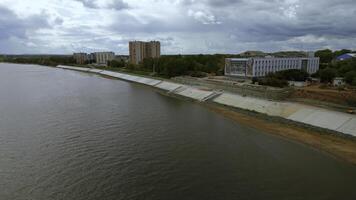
58	21
89	3
215	3
195	26
203	17
16	33
12	26
118	5
258	22
222	3
114	4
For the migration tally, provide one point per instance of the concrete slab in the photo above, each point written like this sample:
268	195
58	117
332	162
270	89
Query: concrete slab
194	93
321	118
288	109
73	68
327	119
95	70
109	73
130	78
147	81
249	103
168	86
136	79
125	76
228	100
349	127
301	114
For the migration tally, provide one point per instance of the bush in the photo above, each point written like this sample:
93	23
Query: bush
116	64
254	80
327	75
325	55
349	77
281	78
351	102
353	82
273	81
293	75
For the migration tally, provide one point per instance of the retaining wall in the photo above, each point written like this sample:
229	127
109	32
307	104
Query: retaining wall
317	117
243	89
168	86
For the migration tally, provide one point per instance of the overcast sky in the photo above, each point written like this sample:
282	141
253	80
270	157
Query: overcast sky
182	26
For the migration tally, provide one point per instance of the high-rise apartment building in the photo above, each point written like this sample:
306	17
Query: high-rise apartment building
141	50
102	58
80	58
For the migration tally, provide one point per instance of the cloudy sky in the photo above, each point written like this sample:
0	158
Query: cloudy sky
182	26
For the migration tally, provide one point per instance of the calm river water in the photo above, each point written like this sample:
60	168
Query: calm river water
71	135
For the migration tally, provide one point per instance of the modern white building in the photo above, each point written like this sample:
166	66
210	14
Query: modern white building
102	58
259	67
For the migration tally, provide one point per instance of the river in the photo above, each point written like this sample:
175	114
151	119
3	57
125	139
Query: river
72	135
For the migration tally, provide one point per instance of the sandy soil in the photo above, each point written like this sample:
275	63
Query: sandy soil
339	147
344	98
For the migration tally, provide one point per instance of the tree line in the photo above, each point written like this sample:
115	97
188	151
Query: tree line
178	65
331	68
41	60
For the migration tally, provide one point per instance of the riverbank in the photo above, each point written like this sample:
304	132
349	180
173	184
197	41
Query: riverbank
337	145
340	147
329	131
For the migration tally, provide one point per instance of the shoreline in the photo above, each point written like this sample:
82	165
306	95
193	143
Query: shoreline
343	148
339	145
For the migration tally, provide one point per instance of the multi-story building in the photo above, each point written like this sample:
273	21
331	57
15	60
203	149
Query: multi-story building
141	50
123	58
81	58
259	67
102	58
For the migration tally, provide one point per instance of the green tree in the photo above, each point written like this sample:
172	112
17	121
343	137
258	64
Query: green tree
354	82
350	76
327	75
341	52
273	80
293	75
325	55
116	63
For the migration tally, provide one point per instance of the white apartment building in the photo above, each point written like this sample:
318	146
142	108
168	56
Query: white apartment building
259	67
102	58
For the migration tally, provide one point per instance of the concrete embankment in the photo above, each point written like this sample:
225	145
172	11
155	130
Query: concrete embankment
300	113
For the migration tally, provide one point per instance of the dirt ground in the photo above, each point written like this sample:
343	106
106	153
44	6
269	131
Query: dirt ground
346	98
339	147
